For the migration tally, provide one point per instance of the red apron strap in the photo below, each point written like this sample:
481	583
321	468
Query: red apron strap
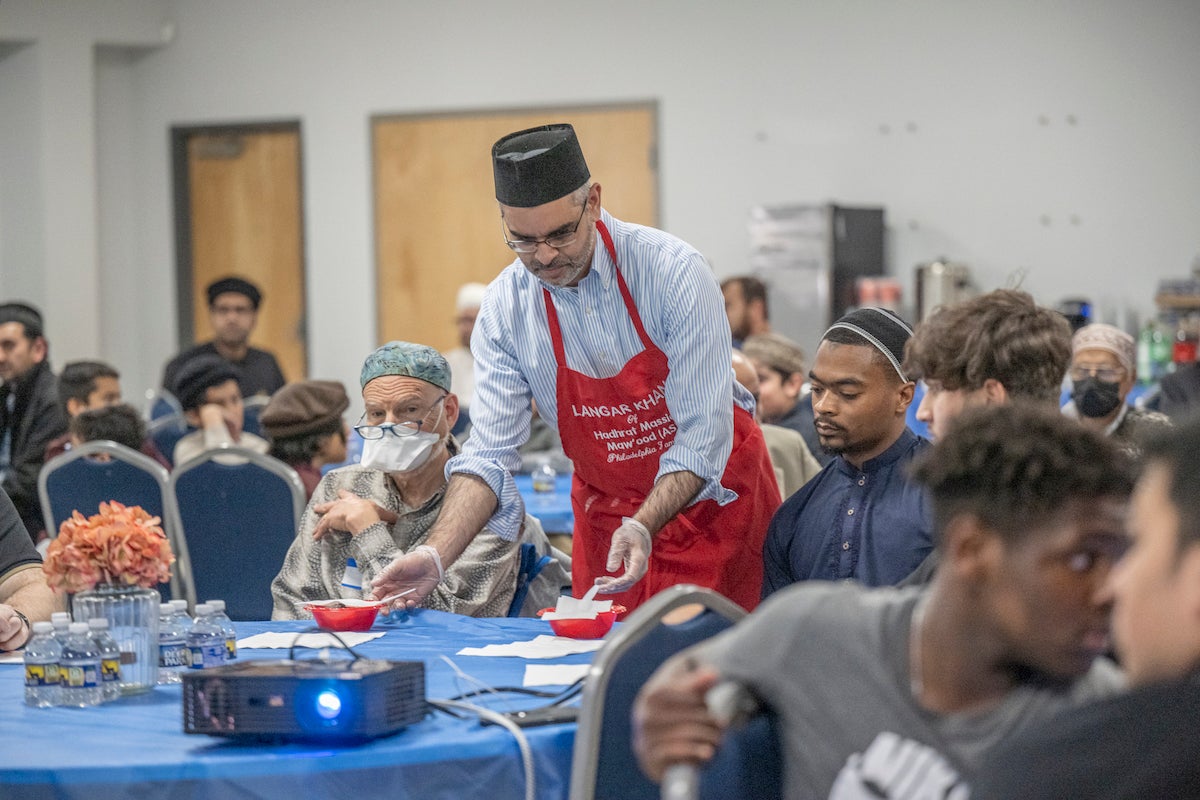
555	331
629	304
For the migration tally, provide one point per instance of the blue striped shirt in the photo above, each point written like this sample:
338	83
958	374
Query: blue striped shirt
683	311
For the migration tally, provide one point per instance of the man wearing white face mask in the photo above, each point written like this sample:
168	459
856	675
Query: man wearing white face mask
362	516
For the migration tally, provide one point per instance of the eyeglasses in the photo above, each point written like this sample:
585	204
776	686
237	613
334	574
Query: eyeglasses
1106	374
558	241
401	429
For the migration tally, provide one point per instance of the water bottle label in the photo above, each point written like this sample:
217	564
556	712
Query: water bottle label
110	669
80	676
231	648
352	578
175	654
41	675
206	656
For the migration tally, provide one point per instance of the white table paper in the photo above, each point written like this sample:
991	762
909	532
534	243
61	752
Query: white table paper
554	674
544	646
275	641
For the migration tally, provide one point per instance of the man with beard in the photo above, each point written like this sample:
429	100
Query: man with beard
619	333
861	517
745	307
30	415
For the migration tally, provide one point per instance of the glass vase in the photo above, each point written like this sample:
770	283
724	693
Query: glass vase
132	614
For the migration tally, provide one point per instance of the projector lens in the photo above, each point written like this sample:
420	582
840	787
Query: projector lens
329	705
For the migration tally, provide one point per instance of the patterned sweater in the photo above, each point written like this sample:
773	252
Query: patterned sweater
480	583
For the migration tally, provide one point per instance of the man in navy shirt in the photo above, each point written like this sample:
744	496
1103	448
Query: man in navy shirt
861	517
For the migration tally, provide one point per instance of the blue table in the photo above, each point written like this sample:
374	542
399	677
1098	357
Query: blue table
553	509
136	747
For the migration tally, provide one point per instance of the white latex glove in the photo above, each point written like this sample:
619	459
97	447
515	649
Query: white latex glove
631	545
420	569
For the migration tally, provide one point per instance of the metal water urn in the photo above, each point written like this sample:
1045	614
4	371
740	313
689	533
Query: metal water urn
941	283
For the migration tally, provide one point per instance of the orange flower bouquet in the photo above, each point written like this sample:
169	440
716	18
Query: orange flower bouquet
120	546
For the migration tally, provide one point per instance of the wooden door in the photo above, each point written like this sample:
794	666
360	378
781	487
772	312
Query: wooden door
238	189
437	224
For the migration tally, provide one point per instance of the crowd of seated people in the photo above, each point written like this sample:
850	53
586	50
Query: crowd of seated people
916	582
303	425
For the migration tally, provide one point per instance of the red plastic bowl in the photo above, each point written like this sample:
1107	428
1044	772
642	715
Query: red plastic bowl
345	619
584	628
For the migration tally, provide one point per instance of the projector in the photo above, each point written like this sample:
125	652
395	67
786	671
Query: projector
317	699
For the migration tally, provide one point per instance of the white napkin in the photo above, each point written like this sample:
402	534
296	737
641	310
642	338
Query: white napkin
348	602
544	646
554	674
583	608
274	641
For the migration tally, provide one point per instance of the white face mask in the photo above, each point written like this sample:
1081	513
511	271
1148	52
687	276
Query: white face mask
399	453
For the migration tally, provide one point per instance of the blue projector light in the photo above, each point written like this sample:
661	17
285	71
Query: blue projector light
329	705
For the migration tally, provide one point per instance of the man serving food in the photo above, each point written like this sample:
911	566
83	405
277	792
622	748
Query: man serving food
619	334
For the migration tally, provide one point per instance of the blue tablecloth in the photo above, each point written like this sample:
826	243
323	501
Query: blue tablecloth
553	509
136	747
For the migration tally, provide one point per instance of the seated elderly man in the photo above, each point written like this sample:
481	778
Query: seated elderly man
24	595
1102	374
362	516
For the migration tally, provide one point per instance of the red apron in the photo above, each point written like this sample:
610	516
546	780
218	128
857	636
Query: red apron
615	431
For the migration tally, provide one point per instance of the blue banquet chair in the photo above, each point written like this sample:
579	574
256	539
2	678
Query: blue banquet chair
95	472
603	766
238	512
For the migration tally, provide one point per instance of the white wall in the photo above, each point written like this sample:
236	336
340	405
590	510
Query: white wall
1054	140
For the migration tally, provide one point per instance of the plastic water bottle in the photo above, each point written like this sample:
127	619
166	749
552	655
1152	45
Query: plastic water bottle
206	640
221	618
173	654
180	609
61	621
80	669
42	655
543	478
110	658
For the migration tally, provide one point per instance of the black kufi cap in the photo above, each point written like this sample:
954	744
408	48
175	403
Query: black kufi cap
537	166
237	285
883	330
199	375
25	314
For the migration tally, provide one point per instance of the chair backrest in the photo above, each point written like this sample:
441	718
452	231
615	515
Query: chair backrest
603	766
749	763
252	408
161	403
78	481
238	512
166	431
530	567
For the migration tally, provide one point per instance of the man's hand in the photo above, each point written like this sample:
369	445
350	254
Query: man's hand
419	570
13	630
671	723
349	513
630	546
212	417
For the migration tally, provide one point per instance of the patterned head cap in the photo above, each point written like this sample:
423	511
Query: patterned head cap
1099	336
883	329
409	360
